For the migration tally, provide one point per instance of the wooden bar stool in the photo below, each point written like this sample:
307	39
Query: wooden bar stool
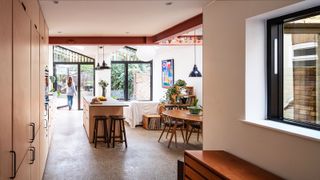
97	119
122	137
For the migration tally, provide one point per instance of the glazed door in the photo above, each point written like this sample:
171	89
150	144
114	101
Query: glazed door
83	79
62	73
86	82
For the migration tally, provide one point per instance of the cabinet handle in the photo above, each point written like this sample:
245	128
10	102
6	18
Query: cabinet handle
24	6
46	123
33	150
33	125
14	164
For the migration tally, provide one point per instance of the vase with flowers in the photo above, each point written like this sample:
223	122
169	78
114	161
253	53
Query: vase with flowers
103	84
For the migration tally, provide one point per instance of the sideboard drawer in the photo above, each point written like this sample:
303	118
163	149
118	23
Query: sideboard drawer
200	168
192	174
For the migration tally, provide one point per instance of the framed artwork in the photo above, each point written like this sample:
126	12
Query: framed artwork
167	73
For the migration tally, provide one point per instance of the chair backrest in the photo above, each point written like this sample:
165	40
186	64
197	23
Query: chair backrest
160	108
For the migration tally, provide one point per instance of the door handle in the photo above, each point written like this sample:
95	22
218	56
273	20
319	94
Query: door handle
33	126
33	150
14	164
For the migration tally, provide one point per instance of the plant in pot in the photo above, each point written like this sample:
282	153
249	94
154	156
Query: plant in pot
195	108
103	84
180	83
171	94
180	86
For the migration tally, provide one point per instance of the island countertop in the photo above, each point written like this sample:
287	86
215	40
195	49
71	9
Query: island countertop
109	103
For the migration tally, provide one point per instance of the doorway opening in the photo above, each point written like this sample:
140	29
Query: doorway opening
68	63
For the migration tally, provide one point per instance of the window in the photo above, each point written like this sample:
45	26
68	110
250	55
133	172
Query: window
293	68
131	79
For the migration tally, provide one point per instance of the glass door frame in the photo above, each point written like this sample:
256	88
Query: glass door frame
79	76
126	81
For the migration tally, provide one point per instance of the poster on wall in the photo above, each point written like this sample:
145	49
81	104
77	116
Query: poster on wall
167	73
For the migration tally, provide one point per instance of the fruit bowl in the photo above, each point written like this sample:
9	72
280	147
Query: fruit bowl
102	98
194	109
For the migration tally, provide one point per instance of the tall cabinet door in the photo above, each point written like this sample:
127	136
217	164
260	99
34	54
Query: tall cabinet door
21	82
24	170
35	158
5	88
35	78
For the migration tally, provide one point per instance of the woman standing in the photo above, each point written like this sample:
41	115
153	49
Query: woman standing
71	91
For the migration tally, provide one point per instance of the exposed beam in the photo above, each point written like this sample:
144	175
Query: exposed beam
178	29
99	40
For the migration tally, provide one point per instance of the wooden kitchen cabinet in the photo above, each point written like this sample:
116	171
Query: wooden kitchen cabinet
20	134
44	147
35	158
32	8
35	78
35	14
21	81
23	173
41	24
5	88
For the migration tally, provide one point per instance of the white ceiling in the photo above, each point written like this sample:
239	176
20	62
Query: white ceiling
117	17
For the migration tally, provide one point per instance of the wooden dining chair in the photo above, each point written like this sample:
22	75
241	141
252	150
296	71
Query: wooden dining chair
170	126
195	127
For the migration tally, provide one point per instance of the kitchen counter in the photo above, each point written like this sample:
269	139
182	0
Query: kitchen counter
106	108
110	102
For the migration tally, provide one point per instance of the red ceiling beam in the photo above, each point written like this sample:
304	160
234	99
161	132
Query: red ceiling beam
99	40
121	40
179	28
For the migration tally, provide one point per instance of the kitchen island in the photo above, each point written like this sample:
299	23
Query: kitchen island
106	108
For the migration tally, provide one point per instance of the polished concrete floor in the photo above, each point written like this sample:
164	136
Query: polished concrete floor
72	157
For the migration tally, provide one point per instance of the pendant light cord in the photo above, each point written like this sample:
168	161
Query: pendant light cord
102	53
194	46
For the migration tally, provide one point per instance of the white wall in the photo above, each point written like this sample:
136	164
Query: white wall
183	64
106	73
234	85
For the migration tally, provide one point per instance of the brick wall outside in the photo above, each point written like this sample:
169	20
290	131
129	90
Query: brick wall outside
304	93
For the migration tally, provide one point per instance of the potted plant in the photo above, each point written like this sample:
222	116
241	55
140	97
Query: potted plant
195	108
180	83
103	84
180	86
172	94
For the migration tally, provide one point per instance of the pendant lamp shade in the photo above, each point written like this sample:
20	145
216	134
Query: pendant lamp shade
195	72
104	64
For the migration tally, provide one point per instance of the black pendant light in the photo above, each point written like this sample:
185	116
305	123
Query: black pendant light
104	64
195	72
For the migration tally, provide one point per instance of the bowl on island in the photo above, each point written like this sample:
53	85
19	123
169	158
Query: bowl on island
102	98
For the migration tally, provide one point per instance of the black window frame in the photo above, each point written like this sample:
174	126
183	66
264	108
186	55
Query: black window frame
126	81
275	66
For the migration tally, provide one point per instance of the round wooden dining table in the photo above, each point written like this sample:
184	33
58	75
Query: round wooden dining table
181	115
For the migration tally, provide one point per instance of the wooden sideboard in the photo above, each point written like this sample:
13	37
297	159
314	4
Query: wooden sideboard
221	165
